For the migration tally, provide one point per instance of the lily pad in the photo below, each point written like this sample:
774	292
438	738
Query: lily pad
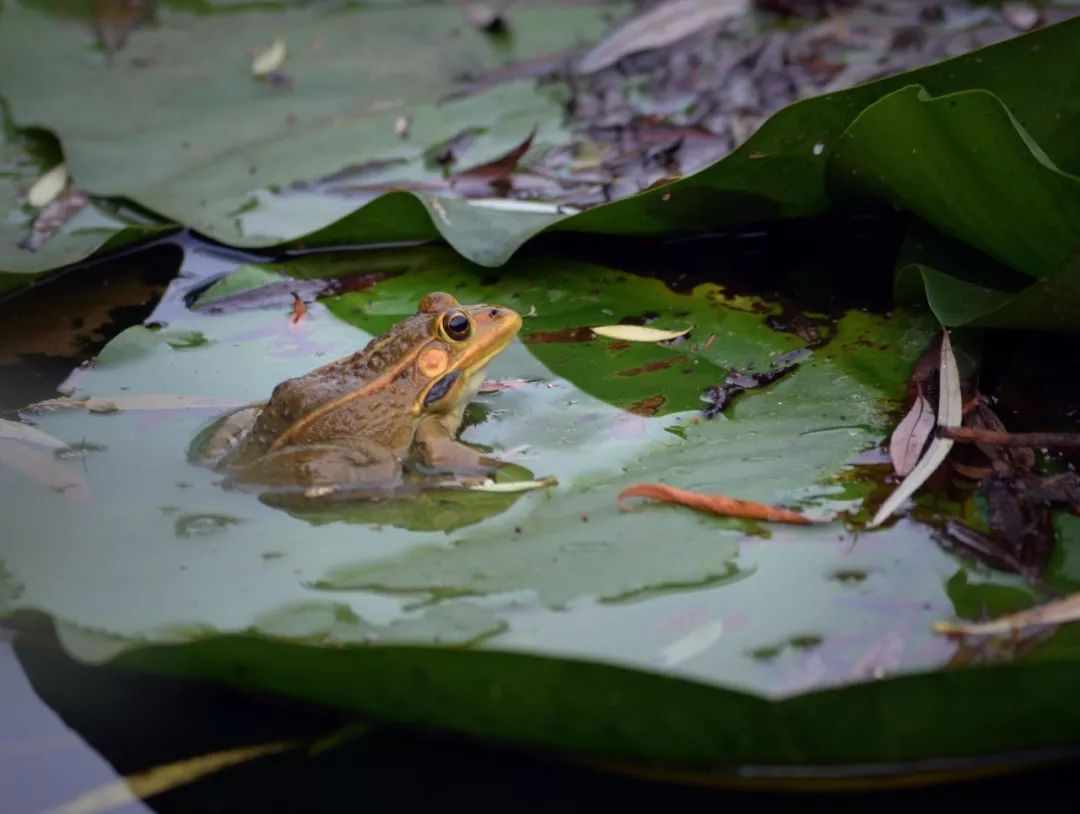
177	123
236	183
567	547
551	617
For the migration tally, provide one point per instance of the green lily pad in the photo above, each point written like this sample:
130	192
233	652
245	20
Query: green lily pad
159	104
564	571
550	618
177	122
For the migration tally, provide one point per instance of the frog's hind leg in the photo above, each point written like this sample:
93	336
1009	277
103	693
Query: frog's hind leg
318	470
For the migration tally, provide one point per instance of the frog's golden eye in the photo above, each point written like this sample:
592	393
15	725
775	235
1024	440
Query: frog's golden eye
456	325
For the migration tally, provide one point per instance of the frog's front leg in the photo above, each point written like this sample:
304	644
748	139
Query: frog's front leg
340	465
434	446
225	436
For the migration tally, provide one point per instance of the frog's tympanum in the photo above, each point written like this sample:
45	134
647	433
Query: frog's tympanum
349	427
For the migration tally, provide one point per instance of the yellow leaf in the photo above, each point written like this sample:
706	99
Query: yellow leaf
639	333
269	60
164	778
48	187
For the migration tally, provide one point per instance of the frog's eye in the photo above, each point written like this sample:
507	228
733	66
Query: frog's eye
456	326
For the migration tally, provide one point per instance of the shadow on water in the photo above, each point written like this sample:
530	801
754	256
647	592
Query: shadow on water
50	328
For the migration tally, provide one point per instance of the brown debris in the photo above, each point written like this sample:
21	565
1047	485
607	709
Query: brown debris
736	382
648	113
286	292
715	504
299	309
52	218
1023	440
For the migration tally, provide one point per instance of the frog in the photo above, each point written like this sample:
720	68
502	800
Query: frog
353	427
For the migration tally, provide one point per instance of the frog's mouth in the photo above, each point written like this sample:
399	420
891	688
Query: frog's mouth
502	325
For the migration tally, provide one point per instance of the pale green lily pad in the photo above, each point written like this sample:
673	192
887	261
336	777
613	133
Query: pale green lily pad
561	571
177	123
557	620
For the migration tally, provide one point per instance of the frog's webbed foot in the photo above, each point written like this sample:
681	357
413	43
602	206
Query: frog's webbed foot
439	451
318	470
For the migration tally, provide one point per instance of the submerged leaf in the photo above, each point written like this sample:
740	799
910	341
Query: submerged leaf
638	333
52	217
950	413
717	504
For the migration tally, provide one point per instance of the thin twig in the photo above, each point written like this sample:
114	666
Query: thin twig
971	435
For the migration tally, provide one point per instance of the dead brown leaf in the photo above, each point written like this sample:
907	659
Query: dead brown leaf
494	171
715	504
53	216
299	310
911	435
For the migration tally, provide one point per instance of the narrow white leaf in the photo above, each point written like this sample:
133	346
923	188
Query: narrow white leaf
950	410
514	486
48	187
531	207
268	61
17	431
638	333
1052	613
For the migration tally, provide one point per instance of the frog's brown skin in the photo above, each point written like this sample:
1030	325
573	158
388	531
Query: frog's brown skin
349	426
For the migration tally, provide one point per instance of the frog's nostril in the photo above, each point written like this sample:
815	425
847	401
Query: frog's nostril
494	313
